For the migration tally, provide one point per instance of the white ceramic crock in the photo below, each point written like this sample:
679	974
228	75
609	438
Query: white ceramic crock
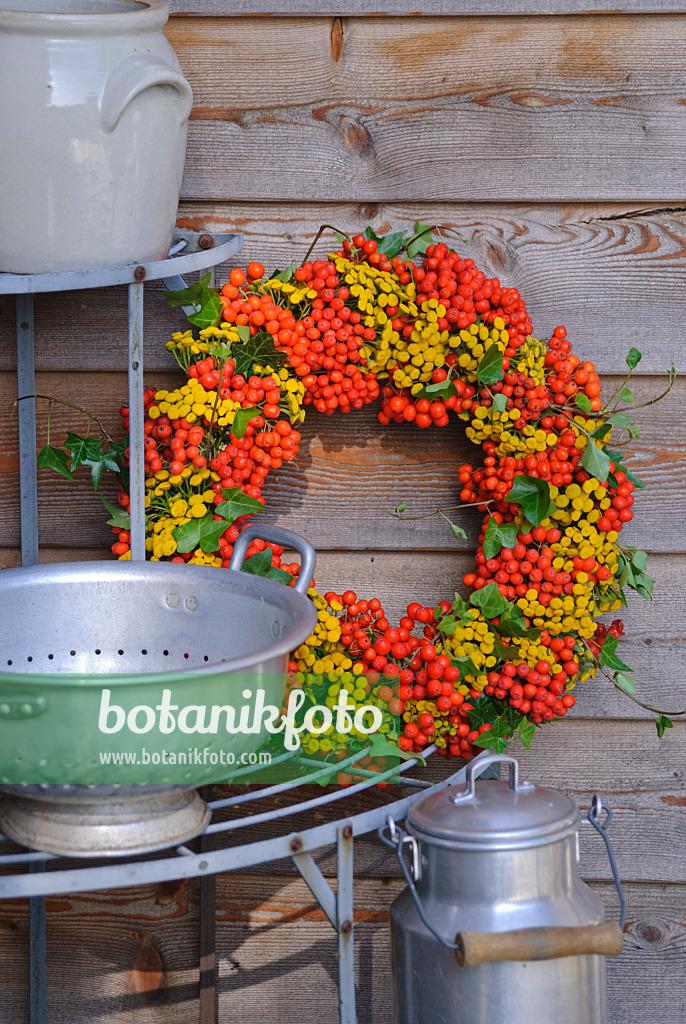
93	123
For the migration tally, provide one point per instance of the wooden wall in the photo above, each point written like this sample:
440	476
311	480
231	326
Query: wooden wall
553	136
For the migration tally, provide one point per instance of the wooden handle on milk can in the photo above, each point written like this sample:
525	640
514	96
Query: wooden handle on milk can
604	939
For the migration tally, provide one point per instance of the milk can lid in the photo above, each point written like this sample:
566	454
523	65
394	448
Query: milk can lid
493	814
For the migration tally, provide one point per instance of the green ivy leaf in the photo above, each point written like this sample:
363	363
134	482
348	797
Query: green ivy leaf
418	245
210	310
241	419
663	722
82	449
369	232
498	738
617	458
500	402
527	731
236	504
457	532
583	402
466	667
51	457
608	658
624	682
203	533
602	431
533	496
633	359
261	565
626	395
98	467
490	369
258	350
191	295
485	709
447	625
381	747
442	389
287	274
489	600
120	519
502	651
390	245
596	461
499	536
620	419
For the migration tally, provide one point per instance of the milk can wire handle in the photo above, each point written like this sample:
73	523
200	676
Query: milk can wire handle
397	841
286	539
594	816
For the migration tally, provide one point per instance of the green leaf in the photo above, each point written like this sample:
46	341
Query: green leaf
391	244
120	519
98	467
82	449
663	722
620	419
442	389
236	504
210	310
500	402
382	747
399	509
527	731
617	458
51	457
503	652
626	395
596	461
498	738
513	627
625	683
369	232
261	565
258	350
447	625
602	431
633	359
533	496
191	295
583	402
466	667
485	709
243	332
204	533
608	658
499	536
287	274
490	369
241	419
417	246
489	600
457	532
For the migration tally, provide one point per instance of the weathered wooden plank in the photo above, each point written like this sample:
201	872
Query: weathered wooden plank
352	116
553	254
428	8
344	463
119	955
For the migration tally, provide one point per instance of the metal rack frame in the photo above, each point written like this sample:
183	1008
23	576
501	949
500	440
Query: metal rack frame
36	875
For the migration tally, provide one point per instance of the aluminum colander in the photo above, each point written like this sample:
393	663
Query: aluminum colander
70	633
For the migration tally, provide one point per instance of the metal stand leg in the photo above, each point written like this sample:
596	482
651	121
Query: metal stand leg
208	932
136	420
37	1002
346	948
26	386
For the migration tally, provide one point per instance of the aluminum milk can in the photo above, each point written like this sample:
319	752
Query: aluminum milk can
496	925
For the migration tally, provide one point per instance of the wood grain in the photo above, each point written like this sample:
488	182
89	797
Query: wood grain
404	8
369	125
276	949
565	260
349	471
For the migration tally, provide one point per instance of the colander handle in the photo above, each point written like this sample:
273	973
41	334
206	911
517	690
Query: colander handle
286	539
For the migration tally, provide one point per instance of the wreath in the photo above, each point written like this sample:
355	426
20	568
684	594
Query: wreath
411	321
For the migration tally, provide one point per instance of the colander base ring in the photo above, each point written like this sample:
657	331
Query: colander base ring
104	826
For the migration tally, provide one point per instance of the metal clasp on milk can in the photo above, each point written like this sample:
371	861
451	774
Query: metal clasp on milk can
494	881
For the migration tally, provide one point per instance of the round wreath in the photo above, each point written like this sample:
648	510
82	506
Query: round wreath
432	339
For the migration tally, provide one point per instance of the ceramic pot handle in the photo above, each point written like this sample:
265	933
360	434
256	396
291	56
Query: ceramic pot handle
133	76
604	939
